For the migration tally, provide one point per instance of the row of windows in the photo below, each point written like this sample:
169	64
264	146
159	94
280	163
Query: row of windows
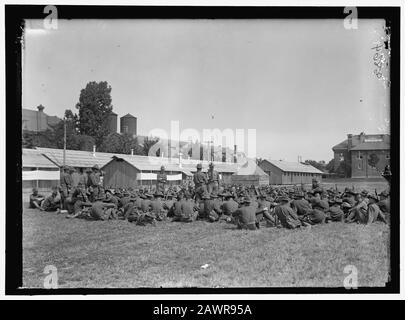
360	156
299	174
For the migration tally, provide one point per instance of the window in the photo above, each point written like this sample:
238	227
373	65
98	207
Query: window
125	129
341	157
359	155
359	166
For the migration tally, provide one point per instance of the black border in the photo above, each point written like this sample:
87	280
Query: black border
14	16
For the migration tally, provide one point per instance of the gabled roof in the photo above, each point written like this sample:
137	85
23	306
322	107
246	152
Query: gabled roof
128	116
32	158
287	166
250	168
85	159
343	145
377	145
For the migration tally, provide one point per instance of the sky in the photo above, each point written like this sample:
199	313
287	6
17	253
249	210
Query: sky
303	85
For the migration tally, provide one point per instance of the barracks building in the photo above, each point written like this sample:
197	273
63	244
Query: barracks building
357	150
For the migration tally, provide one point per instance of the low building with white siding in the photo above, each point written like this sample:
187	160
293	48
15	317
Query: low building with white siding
38	171
285	172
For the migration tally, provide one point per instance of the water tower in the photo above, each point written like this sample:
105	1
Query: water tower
128	124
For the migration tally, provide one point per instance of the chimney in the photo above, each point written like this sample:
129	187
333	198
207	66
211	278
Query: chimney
234	153
40	108
349	141
94	150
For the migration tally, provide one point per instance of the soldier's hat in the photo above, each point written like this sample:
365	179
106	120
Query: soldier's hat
352	192
283	198
338	201
346	204
332	201
228	195
148	195
72	169
213	195
247	200
211	164
384	194
364	193
111	191
205	196
199	166
96	167
372	196
317	190
162	167
158	194
299	194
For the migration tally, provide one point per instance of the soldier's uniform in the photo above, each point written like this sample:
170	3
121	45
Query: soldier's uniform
93	182
157	207
300	205
200	182
286	215
51	203
161	180
213	180
245	217
229	206
36	199
79	200
335	213
66	183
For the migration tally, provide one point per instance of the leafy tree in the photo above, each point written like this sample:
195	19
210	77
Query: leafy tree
319	165
94	108
372	160
113	143
147	143
44	139
331	166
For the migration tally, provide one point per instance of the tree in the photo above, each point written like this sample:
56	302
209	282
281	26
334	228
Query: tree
372	160
94	108
147	144
319	165
330	166
113	143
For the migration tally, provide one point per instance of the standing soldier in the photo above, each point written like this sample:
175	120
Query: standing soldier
161	180
93	182
65	185
200	182
213	180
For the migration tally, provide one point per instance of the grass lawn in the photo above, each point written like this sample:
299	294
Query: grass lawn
96	254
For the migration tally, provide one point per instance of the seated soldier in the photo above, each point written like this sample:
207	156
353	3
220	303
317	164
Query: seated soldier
52	202
286	215
101	210
79	200
300	205
373	211
384	203
245	217
157	207
359	211
317	214
335	213
188	209
175	210
36	199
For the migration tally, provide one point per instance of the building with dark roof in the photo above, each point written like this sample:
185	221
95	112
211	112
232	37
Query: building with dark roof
35	121
285	172
356	151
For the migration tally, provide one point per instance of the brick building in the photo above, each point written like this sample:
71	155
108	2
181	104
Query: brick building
36	121
356	152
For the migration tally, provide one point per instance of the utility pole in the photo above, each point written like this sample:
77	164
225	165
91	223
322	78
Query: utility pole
64	141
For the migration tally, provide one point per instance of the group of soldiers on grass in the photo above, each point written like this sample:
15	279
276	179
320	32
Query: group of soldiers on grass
247	207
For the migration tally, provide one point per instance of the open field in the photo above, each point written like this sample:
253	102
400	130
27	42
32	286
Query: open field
96	254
